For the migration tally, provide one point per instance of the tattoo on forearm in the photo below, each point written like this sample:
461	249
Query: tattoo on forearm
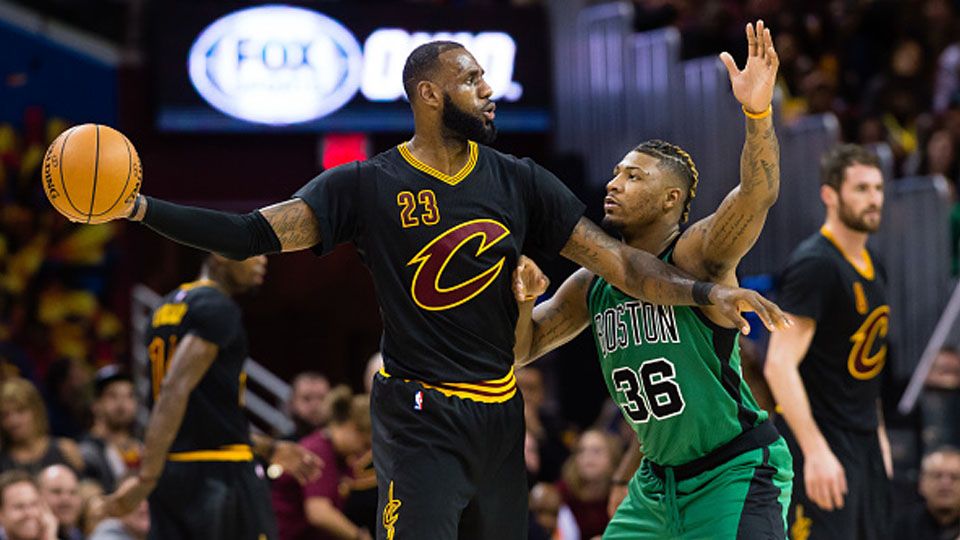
294	224
585	244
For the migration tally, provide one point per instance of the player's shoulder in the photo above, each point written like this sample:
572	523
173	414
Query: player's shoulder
814	250
496	157
203	295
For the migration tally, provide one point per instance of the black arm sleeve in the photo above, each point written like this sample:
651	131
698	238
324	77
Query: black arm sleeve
234	236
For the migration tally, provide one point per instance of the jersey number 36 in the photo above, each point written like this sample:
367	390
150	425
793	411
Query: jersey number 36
649	390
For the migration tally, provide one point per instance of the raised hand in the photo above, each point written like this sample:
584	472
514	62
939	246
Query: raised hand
753	87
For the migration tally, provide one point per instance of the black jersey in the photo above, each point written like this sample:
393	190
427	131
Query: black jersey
214	417
849	349
442	249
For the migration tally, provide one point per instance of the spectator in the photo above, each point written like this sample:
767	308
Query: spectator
361	504
111	449
307	393
941	401
938	516
586	482
22	514
543	424
898	97
68	397
24	439
314	511
133	526
59	489
531	457
550	518
948	77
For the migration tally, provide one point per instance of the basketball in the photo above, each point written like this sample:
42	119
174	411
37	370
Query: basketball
91	173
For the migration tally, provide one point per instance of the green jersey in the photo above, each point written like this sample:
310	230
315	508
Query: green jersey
673	372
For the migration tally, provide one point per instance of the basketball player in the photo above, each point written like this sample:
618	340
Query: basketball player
197	466
436	220
714	466
824	371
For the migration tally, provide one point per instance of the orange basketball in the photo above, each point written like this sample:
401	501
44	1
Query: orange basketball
91	173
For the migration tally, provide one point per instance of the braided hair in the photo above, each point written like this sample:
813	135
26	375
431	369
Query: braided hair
680	162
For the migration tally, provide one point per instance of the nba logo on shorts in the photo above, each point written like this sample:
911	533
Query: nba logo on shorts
418	401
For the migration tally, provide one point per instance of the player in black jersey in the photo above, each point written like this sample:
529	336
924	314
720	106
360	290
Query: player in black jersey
824	371
440	221
197	466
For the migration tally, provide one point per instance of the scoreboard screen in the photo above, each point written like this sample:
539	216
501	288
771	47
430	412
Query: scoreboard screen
332	67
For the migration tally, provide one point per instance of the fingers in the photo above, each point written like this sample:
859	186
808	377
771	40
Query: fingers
771	53
729	63
733	314
819	491
837	490
761	43
770	313
763	307
519	290
752	46
777	317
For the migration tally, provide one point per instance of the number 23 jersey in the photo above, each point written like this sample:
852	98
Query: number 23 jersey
441	250
674	374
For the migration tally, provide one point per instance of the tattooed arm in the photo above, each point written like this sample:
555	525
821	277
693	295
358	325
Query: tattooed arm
553	322
712	247
294	223
646	277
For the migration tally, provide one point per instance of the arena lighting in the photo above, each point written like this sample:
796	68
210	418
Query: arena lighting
281	65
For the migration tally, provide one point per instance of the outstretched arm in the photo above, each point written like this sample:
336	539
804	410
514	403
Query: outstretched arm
286	226
712	247
644	276
192	358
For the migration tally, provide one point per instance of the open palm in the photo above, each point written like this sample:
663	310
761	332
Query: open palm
753	87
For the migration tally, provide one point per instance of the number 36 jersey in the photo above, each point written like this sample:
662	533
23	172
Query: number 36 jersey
674	374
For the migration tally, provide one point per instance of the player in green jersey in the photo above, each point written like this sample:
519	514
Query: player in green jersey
714	466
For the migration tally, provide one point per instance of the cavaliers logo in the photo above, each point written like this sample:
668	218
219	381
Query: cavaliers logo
861	363
860	298
435	256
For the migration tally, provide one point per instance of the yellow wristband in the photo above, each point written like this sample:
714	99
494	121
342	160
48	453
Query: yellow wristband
758	116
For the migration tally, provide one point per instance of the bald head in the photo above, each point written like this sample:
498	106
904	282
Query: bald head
59	488
545	504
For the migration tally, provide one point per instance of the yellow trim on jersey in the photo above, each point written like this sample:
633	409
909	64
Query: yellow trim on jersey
198	283
866	270
492	391
230	452
452	180
169	314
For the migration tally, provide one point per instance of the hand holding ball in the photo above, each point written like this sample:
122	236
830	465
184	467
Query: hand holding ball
92	174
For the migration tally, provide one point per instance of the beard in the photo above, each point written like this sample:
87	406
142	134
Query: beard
611	226
857	222
466	125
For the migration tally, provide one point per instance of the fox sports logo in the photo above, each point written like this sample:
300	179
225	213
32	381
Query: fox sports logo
276	65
